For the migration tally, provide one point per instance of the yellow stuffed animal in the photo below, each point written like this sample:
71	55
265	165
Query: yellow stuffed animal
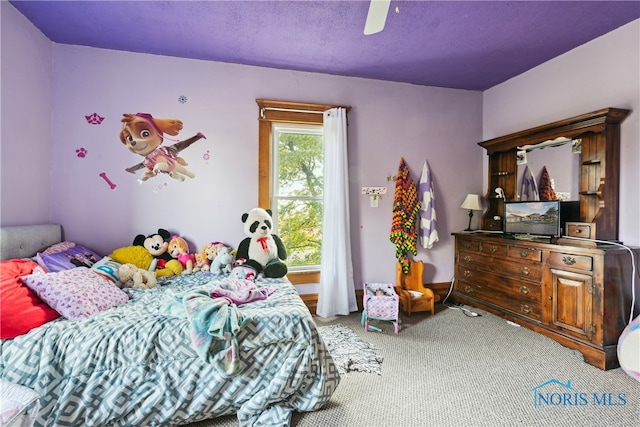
171	268
136	255
141	258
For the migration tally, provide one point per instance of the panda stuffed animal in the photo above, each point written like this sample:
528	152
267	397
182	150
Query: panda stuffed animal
262	250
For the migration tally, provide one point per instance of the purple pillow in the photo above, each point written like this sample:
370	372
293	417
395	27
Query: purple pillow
77	256
77	293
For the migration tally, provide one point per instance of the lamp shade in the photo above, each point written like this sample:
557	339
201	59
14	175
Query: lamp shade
472	202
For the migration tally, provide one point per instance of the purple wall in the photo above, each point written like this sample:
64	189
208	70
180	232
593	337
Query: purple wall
602	73
27	58
387	121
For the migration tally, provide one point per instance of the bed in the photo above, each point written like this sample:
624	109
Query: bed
136	364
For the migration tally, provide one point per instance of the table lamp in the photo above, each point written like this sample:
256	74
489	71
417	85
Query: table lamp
473	203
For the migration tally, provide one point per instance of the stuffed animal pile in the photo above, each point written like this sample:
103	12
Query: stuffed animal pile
162	254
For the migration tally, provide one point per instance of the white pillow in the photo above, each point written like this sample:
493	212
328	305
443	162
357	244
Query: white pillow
18	404
108	267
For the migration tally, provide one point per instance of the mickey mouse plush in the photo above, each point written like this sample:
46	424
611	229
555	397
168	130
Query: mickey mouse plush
158	244
262	250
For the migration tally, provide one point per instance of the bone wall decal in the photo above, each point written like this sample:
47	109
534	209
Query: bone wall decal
108	181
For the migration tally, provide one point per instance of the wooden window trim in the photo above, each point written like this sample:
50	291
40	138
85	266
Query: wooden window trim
269	112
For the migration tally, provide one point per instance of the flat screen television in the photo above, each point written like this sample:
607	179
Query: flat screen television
534	219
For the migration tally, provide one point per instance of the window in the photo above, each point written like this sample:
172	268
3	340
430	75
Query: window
296	192
290	173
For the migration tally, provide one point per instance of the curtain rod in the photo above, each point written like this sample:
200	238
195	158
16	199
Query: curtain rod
291	110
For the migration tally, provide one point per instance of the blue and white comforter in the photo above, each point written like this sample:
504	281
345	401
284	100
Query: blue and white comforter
135	365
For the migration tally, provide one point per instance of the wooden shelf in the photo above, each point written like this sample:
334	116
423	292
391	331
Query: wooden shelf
599	158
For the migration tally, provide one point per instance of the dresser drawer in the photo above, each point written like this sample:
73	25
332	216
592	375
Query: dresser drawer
586	230
468	245
486	283
580	262
493	248
517	269
523	306
471	258
521	252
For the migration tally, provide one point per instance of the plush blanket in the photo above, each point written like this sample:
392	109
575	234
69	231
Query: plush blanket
215	318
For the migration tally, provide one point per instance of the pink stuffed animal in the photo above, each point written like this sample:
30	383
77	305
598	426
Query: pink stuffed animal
179	249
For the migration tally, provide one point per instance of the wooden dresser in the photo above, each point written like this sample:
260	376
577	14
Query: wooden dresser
577	296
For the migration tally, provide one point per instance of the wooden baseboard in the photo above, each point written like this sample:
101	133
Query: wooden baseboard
311	300
441	289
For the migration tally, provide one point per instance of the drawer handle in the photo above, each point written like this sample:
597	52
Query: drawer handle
524	254
525	308
466	245
569	260
468	289
467	274
467	258
525	271
524	290
493	249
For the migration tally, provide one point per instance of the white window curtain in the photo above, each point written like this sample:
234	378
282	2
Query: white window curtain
337	291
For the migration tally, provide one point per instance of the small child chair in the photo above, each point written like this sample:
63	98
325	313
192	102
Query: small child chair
414	296
380	302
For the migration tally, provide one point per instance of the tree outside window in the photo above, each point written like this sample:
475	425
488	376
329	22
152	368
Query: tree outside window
297	183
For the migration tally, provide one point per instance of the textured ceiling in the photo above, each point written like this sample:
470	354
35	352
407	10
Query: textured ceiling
456	44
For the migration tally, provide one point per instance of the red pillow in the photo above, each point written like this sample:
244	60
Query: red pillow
20	308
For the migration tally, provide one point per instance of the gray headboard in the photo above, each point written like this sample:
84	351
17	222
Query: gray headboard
25	240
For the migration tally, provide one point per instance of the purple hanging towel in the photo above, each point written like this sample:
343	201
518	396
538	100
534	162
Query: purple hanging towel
528	188
428	232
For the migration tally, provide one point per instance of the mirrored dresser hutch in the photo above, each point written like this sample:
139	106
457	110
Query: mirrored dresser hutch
576	292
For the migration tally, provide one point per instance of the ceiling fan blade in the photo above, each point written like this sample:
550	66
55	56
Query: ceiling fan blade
377	16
